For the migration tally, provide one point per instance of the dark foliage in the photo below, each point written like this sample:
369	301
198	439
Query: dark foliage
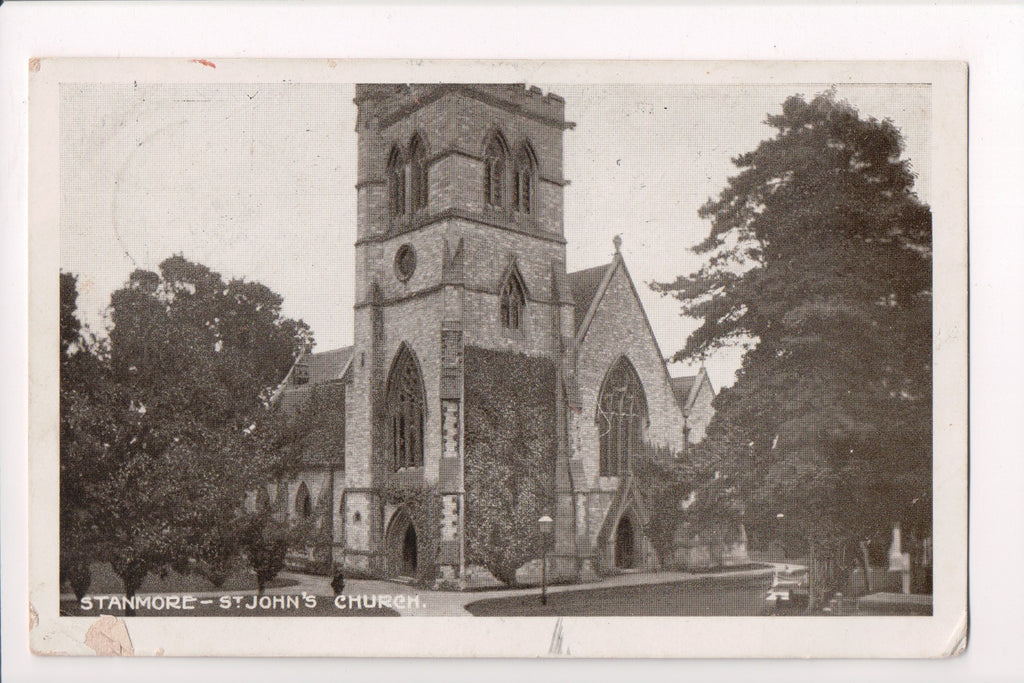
164	427
510	457
819	260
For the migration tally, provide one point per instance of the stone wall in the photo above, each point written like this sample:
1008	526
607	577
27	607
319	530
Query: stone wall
619	327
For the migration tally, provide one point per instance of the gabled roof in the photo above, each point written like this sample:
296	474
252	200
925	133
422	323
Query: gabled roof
329	366
584	286
687	387
324	367
681	387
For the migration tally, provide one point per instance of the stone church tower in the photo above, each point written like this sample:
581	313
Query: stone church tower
459	242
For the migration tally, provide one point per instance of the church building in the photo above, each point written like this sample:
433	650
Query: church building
460	250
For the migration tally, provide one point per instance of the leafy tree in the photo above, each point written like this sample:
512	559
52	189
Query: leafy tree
819	261
173	429
510	432
663	480
266	541
79	379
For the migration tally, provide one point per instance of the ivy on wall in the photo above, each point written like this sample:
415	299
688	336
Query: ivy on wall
511	444
423	505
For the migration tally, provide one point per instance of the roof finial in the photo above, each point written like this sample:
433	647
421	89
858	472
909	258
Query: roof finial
617	241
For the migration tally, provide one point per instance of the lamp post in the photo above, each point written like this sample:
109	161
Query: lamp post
546	526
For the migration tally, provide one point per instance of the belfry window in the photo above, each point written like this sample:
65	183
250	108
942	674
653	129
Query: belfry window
418	166
396	183
494	173
404	412
621	418
522	183
513	303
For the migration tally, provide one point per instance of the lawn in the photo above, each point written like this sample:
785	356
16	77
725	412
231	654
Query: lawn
713	596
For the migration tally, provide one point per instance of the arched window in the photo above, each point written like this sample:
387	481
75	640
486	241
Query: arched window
396	183
621	417
404	412
494	172
522	183
513	303
418	164
303	503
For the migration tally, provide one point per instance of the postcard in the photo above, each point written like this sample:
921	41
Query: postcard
589	359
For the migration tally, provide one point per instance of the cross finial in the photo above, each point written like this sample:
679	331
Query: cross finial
617	241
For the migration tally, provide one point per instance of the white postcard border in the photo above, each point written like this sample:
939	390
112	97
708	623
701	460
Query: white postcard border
938	635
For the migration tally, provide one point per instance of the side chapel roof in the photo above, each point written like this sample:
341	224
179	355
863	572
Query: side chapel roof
309	370
687	387
584	285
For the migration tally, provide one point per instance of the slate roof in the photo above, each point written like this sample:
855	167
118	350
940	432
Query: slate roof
584	285
329	366
324	367
681	387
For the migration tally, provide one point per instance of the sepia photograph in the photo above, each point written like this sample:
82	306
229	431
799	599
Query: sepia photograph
566	341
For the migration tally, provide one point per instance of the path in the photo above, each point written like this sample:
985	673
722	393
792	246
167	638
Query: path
426	603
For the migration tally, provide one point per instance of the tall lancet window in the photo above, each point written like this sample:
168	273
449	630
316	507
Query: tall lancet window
418	167
495	160
513	303
396	183
404	412
621	417
522	183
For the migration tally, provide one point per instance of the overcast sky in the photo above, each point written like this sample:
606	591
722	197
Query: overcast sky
257	181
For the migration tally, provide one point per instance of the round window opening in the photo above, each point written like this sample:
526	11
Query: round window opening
405	262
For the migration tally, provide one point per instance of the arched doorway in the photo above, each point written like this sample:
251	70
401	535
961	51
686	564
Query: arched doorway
409	551
625	544
401	546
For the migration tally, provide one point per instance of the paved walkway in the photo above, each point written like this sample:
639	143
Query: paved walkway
426	603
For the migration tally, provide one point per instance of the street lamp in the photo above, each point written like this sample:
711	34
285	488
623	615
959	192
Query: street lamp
546	526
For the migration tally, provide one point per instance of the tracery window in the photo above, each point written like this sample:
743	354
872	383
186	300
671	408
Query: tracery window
404	412
621	417
513	303
418	164
494	172
396	183
522	183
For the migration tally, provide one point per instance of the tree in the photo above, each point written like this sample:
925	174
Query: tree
819	261
266	541
174	429
80	377
662	480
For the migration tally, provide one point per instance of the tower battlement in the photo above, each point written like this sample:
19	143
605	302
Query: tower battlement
388	102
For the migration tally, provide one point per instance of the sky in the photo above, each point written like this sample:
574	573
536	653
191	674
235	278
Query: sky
256	181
